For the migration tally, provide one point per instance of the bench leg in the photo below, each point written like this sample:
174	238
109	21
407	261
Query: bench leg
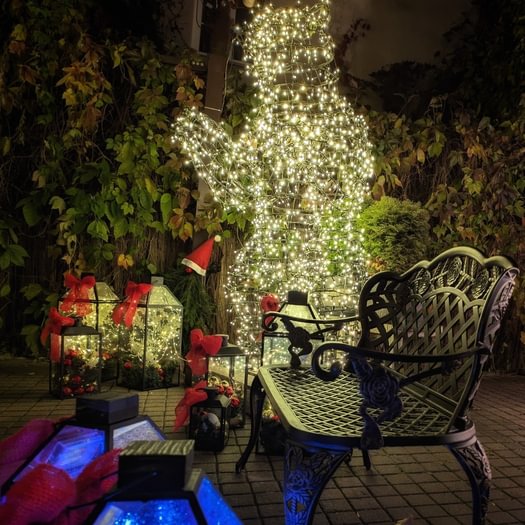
305	476
257	397
475	463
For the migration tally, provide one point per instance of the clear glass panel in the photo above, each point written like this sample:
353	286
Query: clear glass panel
76	372
149	350
139	431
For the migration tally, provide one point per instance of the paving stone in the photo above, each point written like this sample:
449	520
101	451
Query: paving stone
425	482
345	518
374	516
272	510
418	499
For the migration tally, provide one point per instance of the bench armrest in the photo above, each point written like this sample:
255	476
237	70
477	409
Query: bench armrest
448	361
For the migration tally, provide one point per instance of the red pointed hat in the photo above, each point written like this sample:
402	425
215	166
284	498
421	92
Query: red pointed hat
199	259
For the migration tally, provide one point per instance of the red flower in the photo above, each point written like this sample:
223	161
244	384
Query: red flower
76	379
90	388
229	391
128	365
235	402
220	389
106	356
72	353
67	391
79	391
67	362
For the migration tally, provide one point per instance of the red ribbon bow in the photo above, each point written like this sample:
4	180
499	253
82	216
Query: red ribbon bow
54	325
192	395
77	298
202	346
126	310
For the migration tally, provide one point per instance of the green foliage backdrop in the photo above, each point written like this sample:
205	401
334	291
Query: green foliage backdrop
89	179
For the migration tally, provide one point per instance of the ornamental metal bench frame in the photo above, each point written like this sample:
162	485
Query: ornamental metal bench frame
410	381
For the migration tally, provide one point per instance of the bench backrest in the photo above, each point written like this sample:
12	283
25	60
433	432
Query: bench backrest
451	304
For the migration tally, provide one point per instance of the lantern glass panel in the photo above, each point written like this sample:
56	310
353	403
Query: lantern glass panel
209	422
104	300
76	369
143	430
153	511
71	449
150	350
228	370
214	507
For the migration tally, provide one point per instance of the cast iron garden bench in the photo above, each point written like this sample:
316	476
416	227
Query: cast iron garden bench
410	381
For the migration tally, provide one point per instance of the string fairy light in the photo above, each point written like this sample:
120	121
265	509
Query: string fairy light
302	165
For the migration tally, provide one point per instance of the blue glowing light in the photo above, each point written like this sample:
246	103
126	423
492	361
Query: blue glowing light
170	512
214	507
71	449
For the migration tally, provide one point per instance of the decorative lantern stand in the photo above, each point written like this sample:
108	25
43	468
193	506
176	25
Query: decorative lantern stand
209	424
275	345
149	355
228	371
74	369
101	422
156	484
277	349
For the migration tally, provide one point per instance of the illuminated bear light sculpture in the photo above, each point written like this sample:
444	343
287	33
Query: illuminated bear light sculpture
301	167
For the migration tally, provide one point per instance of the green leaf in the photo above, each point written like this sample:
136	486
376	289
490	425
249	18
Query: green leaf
5	290
57	203
31	215
17	254
108	252
435	149
120	228
31	291
98	229
5	260
165	207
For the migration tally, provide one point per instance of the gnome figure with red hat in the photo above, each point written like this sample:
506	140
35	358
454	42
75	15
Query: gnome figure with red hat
199	259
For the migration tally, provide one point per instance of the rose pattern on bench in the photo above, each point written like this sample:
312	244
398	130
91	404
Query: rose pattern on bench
379	390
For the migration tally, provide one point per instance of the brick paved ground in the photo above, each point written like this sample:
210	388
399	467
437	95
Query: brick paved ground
430	487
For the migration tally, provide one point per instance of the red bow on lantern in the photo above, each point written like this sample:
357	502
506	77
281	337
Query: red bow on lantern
77	298
125	311
54	325
191	396
202	346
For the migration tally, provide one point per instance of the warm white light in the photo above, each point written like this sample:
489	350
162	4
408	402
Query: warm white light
302	166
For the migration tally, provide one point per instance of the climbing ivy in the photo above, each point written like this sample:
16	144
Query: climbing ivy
460	148
86	159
